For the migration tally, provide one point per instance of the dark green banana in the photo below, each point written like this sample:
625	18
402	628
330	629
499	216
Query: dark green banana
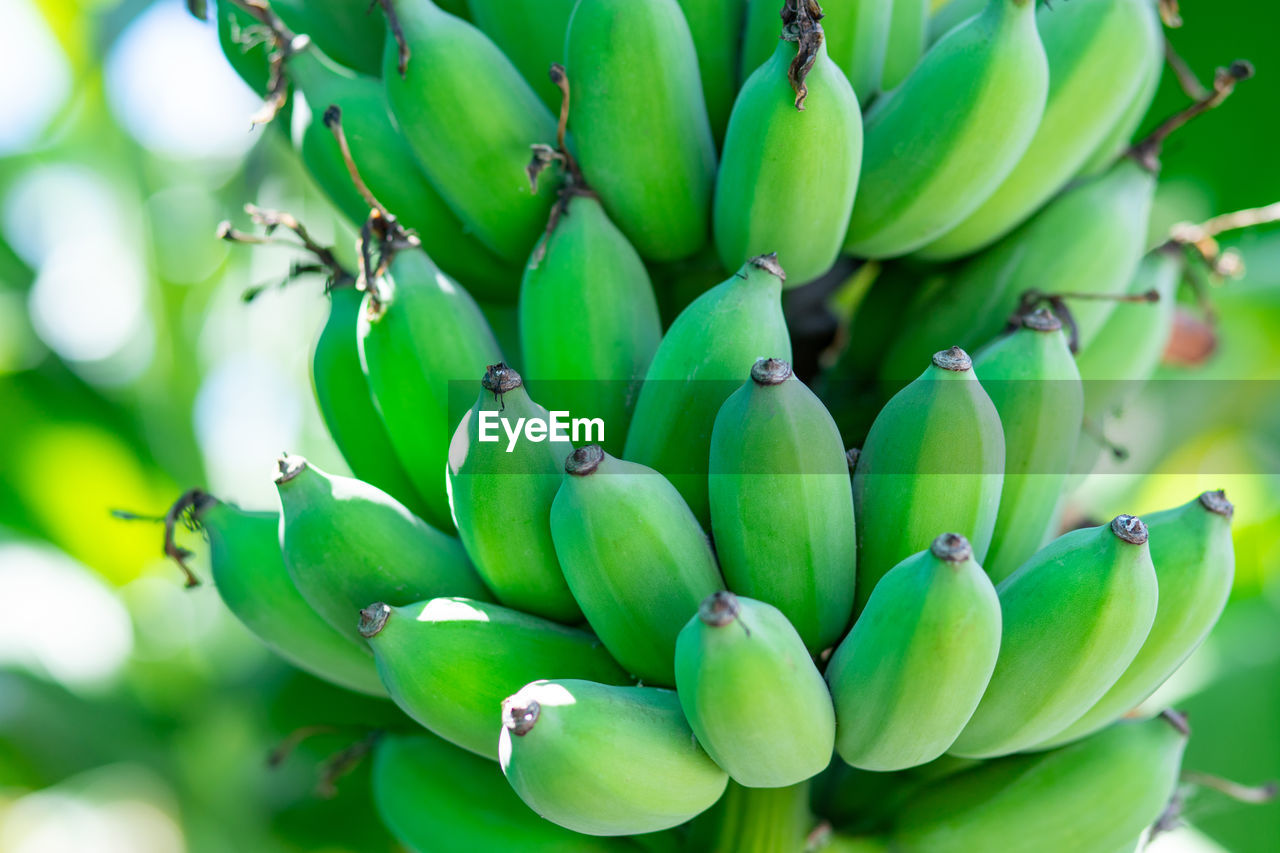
531	34
716	27
351	33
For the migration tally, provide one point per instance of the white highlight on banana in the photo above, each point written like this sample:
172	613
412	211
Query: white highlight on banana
557	427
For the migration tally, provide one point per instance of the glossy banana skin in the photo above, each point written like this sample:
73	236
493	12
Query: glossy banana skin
1033	382
250	576
788	176
752	695
950	14
1118	140
606	760
933	461
640	123
1095	795
982	89
1075	616
449	662
1098	51
908	27
531	34
347	543
419	332
635	558
702	359
586	281
915	665
781	508
716	27
351	33
476	159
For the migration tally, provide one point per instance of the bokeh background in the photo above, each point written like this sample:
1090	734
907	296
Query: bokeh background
136	715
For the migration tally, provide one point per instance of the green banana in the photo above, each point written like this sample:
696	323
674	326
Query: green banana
531	33
789	168
1195	563
756	820
938	145
1097	52
634	556
1033	382
910	673
950	14
906	41
716	28
933	460
246	55
501	492
418	332
449	662
640	125
605	760
1119	138
781	508
1094	796
700	362
751	693
587	282
351	33
1075	616
470	117
347	543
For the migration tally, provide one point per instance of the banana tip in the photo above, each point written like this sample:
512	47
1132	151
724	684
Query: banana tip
373	619
719	608
769	263
851	456
1177	719
1130	528
584	460
770	371
519	717
1041	320
952	548
954	359
1216	502
500	379
288	467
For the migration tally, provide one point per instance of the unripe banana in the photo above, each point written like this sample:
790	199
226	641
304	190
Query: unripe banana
933	460
1033	382
531	34
751	693
347	543
605	760
781	507
347	32
501	492
789	168
470	118
907	678
449	662
419	331
1075	615
640	123
950	14
906	41
637	561
587	282
1094	796
1195	563
700	362
716	28
1119	139
1097	51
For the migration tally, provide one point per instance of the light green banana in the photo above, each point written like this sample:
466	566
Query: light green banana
1120	137
606	760
781	507
449	662
700	362
1075	616
789	168
906	41
470	118
347	543
351	33
933	460
1033	382
950	14
1090	797
587	282
1195	563
1097	52
716	27
751	693
756	820
640	123
907	678
938	145
531	34
637	561
419	331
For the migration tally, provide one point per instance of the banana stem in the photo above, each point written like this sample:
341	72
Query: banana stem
397	32
1147	152
282	39
763	820
1187	79
271	221
800	24
1253	795
185	509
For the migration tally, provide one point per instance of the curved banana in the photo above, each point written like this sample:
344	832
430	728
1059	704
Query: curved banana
1033	382
1097	51
700	362
347	543
531	34
781	508
351	33
501	491
419	331
449	662
933	460
1075	616
1120	137
585	281
475	158
938	145
605	760
640	123
637	561
789	169
751	693
905	44
950	14
716	27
